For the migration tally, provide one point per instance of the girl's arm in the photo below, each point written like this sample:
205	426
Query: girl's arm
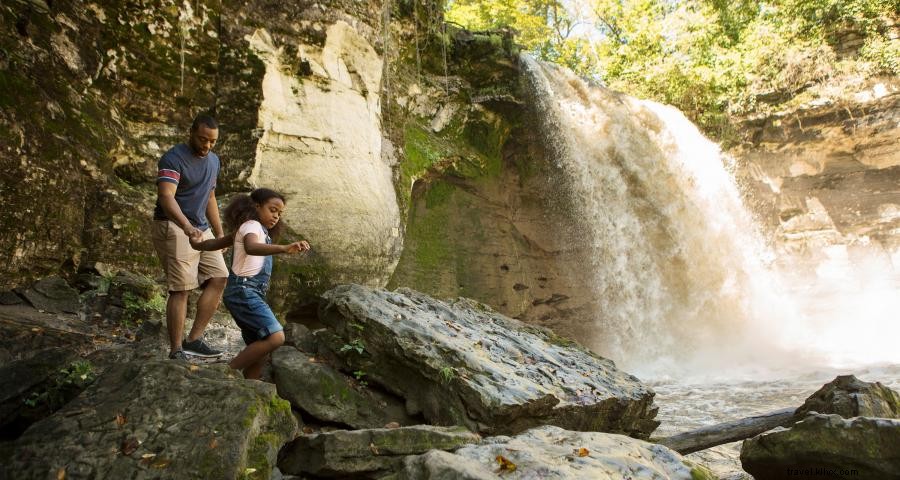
253	246
212	244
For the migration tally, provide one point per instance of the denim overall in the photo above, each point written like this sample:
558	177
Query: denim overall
245	298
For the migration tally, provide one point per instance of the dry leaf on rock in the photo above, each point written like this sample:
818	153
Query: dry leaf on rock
120	419
129	445
582	452
505	464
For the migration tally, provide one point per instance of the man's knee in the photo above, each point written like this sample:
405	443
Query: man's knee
217	283
179	295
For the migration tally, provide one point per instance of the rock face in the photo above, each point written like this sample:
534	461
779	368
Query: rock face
825	178
551	452
341	453
849	397
329	396
158	419
826	445
460	363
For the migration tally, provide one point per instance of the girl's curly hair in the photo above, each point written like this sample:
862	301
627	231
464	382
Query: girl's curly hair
243	207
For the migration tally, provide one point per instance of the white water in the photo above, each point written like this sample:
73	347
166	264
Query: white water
686	287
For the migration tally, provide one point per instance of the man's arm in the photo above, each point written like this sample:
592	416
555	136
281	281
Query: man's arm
212	215
165	191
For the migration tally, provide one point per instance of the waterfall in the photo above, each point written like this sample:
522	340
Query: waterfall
679	273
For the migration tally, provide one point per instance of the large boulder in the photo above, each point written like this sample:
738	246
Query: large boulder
158	419
460	363
344	453
849	397
551	452
826	445
328	395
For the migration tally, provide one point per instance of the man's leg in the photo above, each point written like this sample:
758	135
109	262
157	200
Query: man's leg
176	310
206	307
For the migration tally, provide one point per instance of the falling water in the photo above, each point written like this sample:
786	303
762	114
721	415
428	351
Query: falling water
682	278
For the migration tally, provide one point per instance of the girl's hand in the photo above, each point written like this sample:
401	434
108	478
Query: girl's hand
296	247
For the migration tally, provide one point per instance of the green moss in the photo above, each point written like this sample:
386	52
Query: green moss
262	448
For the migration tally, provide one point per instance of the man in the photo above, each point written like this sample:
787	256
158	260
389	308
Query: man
186	206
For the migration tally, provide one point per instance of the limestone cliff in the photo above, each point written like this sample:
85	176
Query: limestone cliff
824	178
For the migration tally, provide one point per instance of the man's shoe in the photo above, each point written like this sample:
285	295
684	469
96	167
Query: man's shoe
178	355
199	348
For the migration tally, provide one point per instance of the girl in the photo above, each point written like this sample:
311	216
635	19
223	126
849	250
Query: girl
254	220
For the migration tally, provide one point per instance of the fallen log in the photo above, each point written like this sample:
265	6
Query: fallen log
727	432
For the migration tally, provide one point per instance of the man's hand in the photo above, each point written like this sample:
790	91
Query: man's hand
297	247
196	239
191	231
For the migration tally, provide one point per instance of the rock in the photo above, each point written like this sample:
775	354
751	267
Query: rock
158	419
127	287
849	397
551	452
344	453
52	294
8	297
20	379
826	445
330	396
461	363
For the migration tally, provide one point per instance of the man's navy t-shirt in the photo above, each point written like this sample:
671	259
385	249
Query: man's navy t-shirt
194	178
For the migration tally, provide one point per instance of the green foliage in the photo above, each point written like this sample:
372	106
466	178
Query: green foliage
447	374
710	58
356	345
137	307
64	385
359	375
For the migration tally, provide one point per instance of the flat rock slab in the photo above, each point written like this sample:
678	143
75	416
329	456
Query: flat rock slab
553	453
460	363
826	445
328	395
53	294
344	453
158	419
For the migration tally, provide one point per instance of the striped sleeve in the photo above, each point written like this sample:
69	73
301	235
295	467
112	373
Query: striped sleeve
168	171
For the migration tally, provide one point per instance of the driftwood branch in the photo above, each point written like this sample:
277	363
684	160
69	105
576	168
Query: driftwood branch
706	437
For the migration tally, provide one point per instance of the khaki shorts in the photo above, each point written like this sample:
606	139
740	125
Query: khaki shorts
186	268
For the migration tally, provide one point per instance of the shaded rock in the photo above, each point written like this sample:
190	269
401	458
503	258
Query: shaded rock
849	397
461	363
826	445
158	419
8	297
331	396
21	379
25	331
341	453
52	294
551	452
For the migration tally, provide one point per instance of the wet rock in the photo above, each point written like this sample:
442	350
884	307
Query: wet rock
158	419
328	395
826	445
345	453
52	294
462	364
551	452
849	397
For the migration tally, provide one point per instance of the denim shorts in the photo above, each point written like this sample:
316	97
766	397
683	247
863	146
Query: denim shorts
247	304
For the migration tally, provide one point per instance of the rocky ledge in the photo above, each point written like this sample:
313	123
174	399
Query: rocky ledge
460	363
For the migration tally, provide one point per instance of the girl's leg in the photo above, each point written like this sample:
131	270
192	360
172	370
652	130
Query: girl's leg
254	372
256	352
